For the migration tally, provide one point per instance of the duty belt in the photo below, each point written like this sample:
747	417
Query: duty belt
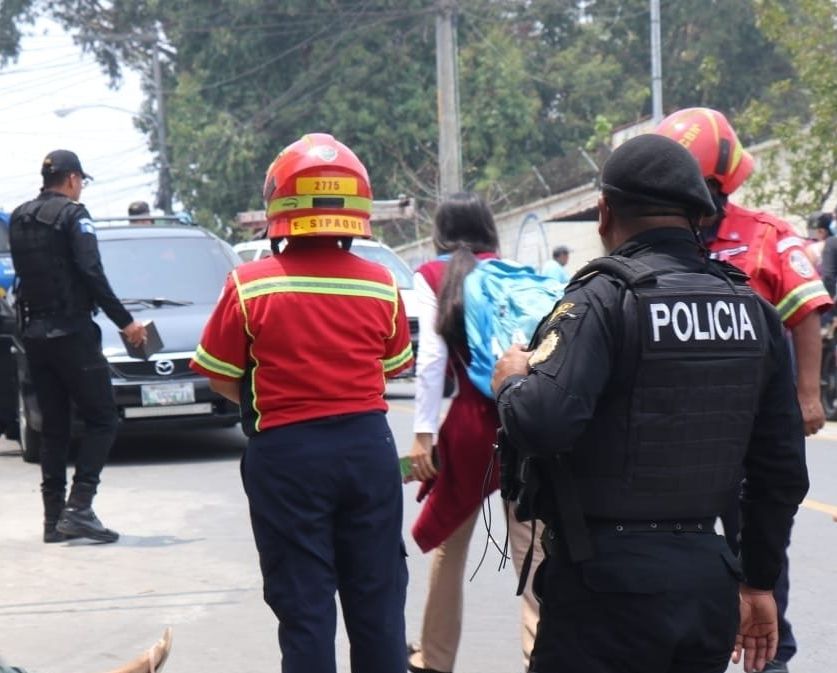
660	526
551	536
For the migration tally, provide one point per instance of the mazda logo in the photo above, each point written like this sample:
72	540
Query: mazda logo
164	367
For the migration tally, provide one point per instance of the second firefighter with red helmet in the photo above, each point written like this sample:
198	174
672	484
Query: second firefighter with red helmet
773	255
304	341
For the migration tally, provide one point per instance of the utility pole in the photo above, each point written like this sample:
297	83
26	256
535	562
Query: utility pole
164	188
447	79
164	191
656	64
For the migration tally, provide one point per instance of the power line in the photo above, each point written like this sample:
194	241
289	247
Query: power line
60	62
307	41
70	85
87	160
33	83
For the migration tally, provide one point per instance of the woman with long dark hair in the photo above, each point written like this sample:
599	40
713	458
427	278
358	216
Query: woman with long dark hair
462	474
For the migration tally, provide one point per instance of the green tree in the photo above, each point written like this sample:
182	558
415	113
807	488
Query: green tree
539	80
713	54
805	152
500	109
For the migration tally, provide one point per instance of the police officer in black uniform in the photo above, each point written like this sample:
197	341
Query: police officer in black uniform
655	380
60	283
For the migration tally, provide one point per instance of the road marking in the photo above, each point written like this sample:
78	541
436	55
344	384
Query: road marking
819	506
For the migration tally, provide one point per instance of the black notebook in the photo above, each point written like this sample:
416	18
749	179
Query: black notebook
145	350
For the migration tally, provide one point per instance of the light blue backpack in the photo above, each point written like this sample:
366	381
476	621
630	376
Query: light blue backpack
504	302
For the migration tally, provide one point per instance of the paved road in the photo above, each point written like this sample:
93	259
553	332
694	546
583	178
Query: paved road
186	558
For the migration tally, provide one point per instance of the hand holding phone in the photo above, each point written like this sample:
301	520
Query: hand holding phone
416	467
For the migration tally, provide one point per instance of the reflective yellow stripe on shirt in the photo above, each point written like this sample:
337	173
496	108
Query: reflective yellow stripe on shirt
312	285
399	360
798	297
213	364
394	285
256	364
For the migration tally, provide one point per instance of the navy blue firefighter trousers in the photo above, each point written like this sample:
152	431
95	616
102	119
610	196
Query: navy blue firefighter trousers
326	507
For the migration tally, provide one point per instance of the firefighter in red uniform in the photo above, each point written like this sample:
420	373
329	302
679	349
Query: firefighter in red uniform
771	252
303	340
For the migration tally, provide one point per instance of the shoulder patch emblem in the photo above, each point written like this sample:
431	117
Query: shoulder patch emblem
790	242
562	309
545	348
800	263
86	226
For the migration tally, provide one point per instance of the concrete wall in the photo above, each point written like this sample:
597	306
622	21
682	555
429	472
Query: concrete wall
527	235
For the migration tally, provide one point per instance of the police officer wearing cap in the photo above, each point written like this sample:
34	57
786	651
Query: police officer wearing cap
655	380
60	284
303	340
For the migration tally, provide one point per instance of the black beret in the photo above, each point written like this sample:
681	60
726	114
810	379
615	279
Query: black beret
655	170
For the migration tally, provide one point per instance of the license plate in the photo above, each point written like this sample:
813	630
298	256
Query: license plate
165	394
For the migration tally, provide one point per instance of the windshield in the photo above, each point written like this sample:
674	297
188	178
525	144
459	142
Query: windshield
385	256
180	269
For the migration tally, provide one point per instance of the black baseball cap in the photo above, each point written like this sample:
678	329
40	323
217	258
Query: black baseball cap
62	161
654	170
138	208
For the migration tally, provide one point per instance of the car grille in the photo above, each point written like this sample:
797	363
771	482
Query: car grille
146	369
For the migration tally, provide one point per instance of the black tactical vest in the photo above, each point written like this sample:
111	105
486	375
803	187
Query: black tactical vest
668	438
47	284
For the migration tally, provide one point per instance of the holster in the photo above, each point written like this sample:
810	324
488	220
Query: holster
508	458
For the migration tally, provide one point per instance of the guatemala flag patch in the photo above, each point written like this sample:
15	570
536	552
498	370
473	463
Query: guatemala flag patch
86	226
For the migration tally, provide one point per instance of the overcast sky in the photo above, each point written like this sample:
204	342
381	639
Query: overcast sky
52	74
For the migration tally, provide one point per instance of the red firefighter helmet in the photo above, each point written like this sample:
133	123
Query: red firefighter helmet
317	187
708	135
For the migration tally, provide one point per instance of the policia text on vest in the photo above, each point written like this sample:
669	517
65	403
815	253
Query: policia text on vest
701	321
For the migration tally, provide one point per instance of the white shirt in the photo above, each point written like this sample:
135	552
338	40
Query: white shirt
431	361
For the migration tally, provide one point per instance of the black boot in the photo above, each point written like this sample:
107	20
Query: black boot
53	506
78	518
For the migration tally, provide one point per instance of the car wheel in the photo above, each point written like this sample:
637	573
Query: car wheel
828	388
29	438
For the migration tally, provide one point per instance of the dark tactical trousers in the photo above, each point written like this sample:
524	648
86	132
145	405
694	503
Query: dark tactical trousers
326	508
647	602
71	372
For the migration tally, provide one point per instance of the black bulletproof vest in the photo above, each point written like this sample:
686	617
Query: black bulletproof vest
47	284
668	438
